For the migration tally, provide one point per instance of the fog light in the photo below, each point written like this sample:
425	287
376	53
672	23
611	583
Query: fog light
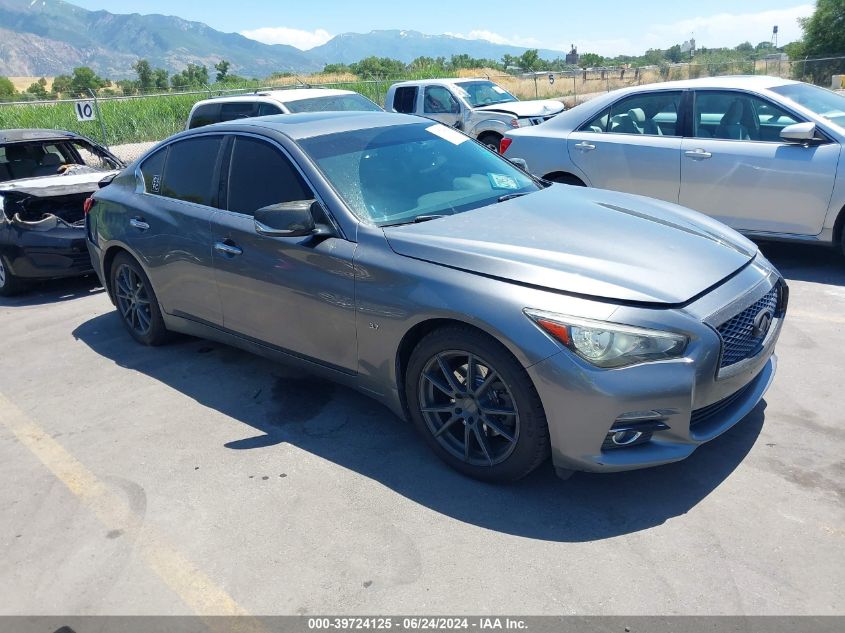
626	438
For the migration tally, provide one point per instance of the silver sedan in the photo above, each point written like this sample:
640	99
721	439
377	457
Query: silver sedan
760	154
507	318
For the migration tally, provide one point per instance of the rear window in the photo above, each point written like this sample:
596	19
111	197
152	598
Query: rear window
189	170
205	114
238	110
405	99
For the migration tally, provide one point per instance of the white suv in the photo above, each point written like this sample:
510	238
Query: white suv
265	102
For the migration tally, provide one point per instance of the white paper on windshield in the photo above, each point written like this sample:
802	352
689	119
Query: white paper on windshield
447	133
498	89
502	181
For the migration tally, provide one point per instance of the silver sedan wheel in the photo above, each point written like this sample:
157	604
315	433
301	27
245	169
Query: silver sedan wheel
2	273
133	300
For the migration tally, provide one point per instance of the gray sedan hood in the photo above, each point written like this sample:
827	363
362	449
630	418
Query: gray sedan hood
583	241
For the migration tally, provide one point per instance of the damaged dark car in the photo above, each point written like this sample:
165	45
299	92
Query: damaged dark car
45	178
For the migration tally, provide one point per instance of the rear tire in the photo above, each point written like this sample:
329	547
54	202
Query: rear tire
486	422
9	284
136	302
491	140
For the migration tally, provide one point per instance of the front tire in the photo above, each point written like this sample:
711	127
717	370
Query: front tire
9	284
136	301
475	405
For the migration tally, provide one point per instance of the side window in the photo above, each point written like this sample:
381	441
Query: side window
654	114
405	99
152	170
237	110
438	100
189	170
738	116
260	175
205	114
265	109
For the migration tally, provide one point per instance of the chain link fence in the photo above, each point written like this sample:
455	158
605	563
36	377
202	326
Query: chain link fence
130	124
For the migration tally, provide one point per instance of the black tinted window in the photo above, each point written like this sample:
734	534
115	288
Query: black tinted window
237	110
405	99
189	170
152	170
205	115
265	109
260	175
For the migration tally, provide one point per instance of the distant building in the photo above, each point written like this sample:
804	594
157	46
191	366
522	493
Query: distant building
689	47
572	56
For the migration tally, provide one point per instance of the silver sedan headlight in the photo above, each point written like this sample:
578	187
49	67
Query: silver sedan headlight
606	344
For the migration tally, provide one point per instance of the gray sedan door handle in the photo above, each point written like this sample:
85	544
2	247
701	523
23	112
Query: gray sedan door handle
139	224
227	249
584	146
698	154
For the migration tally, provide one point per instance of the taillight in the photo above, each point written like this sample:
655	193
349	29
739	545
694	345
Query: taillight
88	205
504	144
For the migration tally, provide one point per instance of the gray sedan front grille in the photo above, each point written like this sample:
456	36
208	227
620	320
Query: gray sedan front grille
737	333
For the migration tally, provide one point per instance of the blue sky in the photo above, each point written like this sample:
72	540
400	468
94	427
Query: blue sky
608	28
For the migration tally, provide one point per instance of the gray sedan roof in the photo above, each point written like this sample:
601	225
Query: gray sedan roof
310	124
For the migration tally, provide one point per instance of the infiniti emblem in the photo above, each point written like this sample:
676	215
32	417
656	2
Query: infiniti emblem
762	322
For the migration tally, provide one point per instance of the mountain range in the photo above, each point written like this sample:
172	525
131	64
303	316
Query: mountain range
51	37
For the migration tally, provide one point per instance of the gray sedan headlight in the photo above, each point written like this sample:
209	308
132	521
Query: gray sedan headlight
606	344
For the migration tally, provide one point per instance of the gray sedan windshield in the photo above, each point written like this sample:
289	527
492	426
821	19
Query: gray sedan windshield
403	173
825	103
336	103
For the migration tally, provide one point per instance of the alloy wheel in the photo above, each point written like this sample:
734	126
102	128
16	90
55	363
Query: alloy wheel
468	409
133	300
2	273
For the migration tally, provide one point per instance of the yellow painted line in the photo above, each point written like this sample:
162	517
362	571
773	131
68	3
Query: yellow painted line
192	586
813	316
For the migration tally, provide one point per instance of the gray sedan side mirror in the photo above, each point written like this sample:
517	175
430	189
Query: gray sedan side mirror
286	219
799	133
519	162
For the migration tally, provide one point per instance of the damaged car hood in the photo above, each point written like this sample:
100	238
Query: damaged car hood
58	185
542	107
582	241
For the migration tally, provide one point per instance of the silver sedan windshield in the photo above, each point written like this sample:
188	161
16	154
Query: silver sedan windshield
405	173
825	103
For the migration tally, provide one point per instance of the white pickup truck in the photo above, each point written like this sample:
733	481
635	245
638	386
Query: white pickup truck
478	107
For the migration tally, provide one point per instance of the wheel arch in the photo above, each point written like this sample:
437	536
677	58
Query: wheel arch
419	331
839	229
565	175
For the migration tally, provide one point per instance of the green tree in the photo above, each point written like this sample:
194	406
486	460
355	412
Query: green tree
192	77
590	60
745	48
7	88
378	67
530	60
85	79
145	74
335	69
127	86
62	84
38	89
161	78
824	36
674	54
222	68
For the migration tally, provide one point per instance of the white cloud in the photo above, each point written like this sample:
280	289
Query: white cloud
302	40
490	36
722	29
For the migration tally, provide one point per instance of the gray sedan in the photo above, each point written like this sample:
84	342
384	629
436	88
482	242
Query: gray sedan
507	318
761	154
